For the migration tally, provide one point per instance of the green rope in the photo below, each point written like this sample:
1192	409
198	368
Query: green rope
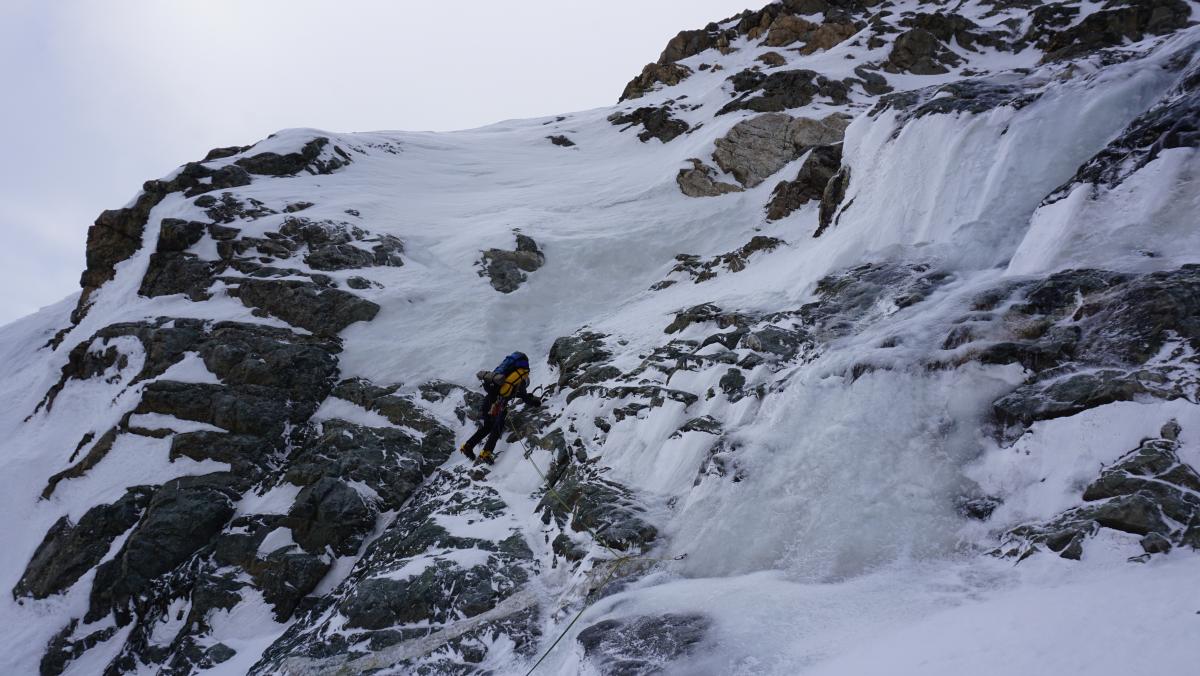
615	563
587	604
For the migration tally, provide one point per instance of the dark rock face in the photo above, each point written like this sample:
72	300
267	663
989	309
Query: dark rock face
297	206
242	355
734	261
654	394
176	235
779	342
979	508
561	141
969	96
381	603
390	462
831	200
117	233
721	462
376	613
173	270
506	270
308	158
329	513
240	412
686	44
285	577
180	543
340	246
848	299
1147	492
690	43
182	517
605	509
1086	337
789	29
325	312
61	648
399	410
705	424
229	208
918	51
756	148
669	74
575	356
656	123
1112	26
705	312
1149	468
325	245
643	644
1048	397
1172	123
782	90
871	82
184	546
700	181
732	383
245	453
809	185
172	273
222	153
70	550
772	59
777	24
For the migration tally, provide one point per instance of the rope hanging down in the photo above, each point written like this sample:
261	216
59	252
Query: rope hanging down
615	564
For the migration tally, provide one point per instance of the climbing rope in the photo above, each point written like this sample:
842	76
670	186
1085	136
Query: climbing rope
611	574
615	564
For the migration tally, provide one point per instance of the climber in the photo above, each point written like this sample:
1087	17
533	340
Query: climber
509	380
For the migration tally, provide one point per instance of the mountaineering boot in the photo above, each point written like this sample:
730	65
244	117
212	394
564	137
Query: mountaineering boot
465	450
486	456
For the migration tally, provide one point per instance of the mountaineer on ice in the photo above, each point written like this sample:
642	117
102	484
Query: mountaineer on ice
509	380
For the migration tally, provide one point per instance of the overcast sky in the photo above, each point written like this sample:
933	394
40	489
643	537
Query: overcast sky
100	96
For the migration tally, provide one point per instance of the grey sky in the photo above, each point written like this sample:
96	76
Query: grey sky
100	96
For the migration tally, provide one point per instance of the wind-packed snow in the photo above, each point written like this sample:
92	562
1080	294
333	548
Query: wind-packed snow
842	551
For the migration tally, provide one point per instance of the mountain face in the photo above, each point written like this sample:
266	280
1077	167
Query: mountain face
868	333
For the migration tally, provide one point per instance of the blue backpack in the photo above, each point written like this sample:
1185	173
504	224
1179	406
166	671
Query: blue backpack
514	361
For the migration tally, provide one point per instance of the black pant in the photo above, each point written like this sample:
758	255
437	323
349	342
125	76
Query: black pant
490	426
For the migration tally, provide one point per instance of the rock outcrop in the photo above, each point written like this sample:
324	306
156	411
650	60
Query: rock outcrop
700	181
815	173
782	90
508	270
644	644
423	597
1055	31
668	74
1148	493
831	200
1087	338
701	270
758	147
117	234
656	122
